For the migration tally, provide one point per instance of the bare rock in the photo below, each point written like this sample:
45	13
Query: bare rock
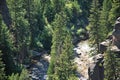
117	24
116	33
96	69
103	46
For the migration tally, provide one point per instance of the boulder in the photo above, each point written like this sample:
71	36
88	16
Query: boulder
103	46
117	24
96	69
116	33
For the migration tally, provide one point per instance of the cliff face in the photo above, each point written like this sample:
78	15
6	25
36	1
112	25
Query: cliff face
116	34
114	40
4	11
92	68
88	67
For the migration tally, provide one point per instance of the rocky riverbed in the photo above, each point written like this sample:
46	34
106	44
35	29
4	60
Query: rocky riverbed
82	59
38	68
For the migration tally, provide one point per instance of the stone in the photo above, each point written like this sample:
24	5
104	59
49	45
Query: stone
103	46
96	69
116	33
117	24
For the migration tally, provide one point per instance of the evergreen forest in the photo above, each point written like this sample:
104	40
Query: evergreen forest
59	39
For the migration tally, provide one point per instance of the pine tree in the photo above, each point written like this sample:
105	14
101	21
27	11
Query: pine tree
64	68
43	34
113	15
57	41
109	65
93	26
59	51
7	48
21	28
104	22
114	12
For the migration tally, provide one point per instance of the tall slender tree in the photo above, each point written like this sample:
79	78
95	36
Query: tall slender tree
113	68
7	48
114	12
57	40
64	68
59	49
94	24
104	22
109	65
21	28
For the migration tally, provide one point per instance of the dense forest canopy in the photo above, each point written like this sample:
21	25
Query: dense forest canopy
31	27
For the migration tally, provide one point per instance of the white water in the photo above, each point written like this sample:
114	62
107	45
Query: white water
82	59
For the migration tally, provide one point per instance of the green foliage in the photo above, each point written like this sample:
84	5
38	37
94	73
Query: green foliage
114	12
57	40
94	25
46	39
104	22
60	64
38	24
109	65
80	31
2	68
64	68
7	48
22	76
21	29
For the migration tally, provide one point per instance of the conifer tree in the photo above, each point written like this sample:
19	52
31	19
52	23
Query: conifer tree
7	48
113	15
58	50
109	65
104	22
21	28
64	68
93	26
114	12
57	41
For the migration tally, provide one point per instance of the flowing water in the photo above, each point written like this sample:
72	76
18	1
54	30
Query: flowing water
82	59
38	70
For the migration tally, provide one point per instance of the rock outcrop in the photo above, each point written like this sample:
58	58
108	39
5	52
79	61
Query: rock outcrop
96	69
113	41
116	33
4	11
38	65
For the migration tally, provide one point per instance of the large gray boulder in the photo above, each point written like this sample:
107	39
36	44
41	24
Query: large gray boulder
96	69
116	33
103	45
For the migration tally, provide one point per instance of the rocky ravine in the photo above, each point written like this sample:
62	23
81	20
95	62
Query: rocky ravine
38	68
82	59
